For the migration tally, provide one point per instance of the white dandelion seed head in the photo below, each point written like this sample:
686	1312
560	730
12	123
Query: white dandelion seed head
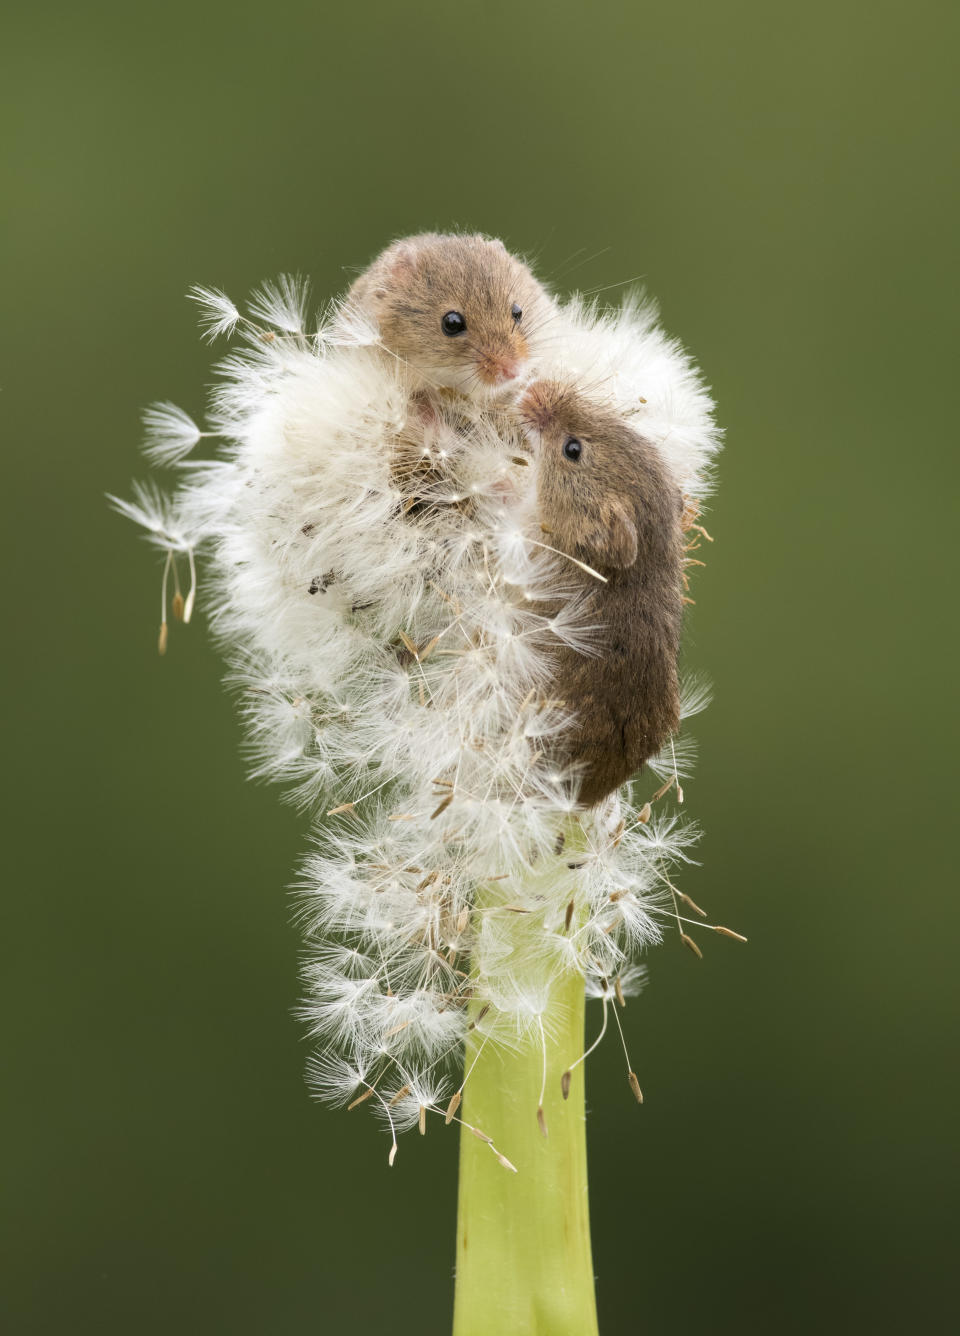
388	608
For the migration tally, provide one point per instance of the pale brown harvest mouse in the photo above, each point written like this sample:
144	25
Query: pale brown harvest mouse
459	310
605	497
463	316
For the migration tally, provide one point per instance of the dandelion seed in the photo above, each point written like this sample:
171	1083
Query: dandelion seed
282	303
192	591
728	932
170	434
218	315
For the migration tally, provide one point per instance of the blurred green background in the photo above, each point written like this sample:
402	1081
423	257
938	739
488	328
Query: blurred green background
783	179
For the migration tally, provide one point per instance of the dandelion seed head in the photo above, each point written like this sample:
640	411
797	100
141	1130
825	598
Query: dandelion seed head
389	628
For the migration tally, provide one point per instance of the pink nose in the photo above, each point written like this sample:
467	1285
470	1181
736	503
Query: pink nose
497	370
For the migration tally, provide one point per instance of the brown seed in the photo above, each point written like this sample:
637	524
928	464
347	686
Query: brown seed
452	1107
404	1090
162	639
568	917
344	807
691	945
728	932
692	903
423	1120
409	644
178	607
644	814
442	807
565	1084
463	918
541	1120
506	1163
635	1086
618	989
359	1100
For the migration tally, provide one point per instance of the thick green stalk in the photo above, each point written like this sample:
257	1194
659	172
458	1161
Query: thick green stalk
524	1266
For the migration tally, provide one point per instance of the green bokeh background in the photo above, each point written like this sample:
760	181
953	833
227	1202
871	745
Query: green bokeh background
783	179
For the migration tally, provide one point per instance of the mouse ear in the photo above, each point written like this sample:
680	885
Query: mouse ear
397	261
401	258
613	540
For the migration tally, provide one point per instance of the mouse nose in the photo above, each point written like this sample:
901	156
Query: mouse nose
499	369
535	408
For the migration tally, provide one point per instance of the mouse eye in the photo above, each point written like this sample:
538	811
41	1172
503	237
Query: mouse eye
453	323
572	448
516	311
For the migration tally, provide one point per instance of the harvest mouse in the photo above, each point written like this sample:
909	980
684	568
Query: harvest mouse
458	310
462	316
605	498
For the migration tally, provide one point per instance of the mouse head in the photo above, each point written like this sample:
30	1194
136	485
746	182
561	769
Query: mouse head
459	310
601	488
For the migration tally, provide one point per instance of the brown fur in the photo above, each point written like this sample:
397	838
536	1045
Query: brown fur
416	281
618	510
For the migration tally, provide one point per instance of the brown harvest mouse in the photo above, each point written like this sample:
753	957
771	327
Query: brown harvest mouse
458	310
462	316
606	498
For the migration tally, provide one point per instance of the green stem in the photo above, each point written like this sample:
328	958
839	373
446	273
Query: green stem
524	1266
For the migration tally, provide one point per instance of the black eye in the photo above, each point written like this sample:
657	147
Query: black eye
453	323
516	311
572	448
